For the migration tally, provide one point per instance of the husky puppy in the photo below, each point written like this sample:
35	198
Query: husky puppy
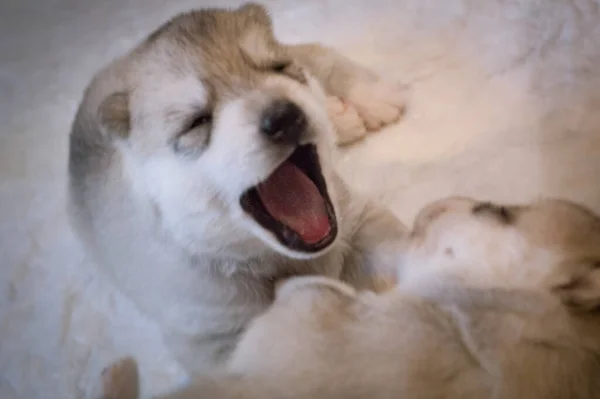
200	174
493	302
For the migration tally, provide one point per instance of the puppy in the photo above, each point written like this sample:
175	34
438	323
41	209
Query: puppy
200	174
494	302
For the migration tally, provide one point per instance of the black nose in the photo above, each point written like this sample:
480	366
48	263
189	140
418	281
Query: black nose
283	122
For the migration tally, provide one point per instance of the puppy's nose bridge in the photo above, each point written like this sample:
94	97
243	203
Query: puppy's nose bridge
283	122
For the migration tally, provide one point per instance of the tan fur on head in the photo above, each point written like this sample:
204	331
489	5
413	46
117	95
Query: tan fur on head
256	12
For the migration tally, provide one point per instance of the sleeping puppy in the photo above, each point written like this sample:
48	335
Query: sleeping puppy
495	302
200	174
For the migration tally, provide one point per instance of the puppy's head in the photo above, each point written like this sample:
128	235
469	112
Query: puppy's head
225	135
552	244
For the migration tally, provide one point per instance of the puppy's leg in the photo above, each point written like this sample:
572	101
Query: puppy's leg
377	101
121	380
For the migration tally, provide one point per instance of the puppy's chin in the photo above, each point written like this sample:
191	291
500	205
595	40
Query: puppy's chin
275	245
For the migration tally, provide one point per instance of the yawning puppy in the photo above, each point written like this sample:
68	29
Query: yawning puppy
495	302
200	174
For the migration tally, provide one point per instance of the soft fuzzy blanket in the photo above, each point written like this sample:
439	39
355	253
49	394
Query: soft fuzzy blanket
505	106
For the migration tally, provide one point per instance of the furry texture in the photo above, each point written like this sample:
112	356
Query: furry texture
493	302
159	204
503	107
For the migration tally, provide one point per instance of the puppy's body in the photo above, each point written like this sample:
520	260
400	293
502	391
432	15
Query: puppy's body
508	344
494	302
172	146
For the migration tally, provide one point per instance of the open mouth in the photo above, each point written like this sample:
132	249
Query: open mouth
293	204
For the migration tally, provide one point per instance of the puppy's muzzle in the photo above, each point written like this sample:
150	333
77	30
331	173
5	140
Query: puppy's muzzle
283	122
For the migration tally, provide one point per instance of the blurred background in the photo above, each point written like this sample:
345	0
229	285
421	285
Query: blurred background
504	106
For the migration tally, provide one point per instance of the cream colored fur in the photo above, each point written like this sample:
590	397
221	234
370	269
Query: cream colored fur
494	302
166	225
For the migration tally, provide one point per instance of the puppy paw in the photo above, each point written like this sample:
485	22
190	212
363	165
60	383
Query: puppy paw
120	380
348	124
379	103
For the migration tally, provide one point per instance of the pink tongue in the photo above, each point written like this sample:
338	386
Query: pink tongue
292	198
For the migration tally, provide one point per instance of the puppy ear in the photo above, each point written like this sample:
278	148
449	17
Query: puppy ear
258	44
257	13
114	115
581	289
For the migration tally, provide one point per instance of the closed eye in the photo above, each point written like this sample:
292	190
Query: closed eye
504	214
289	69
194	137
501	213
280	66
201	120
